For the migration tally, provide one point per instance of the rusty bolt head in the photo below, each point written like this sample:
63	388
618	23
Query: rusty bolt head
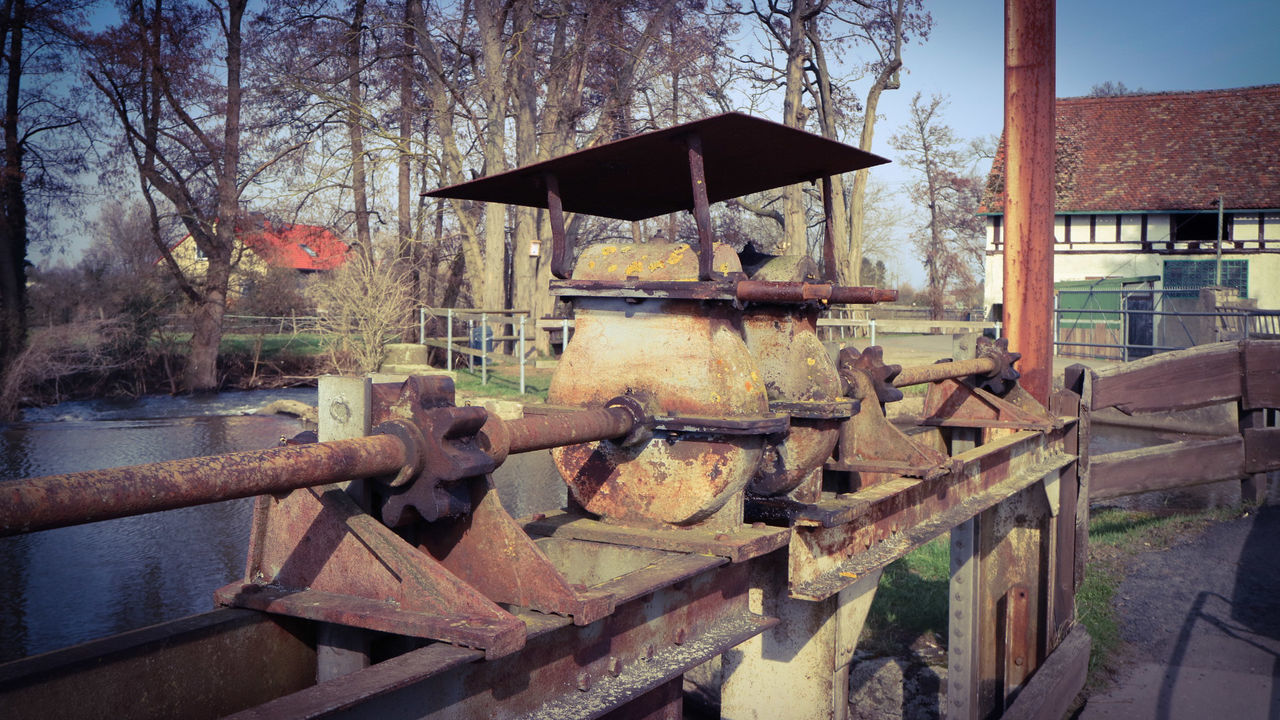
757	526
722	537
680	636
615	666
584	682
648	652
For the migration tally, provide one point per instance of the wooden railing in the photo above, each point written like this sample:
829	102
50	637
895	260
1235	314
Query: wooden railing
1245	373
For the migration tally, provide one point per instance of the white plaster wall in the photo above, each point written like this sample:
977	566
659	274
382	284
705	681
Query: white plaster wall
1264	268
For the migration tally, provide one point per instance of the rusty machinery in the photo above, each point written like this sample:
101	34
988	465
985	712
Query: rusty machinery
701	428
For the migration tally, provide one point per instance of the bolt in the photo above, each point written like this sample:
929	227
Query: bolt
757	526
680	635
615	666
584	682
648	652
1018	661
722	537
537	517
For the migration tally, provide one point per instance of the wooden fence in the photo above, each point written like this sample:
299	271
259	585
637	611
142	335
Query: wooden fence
1245	373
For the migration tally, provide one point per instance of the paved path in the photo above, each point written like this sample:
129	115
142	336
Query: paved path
1202	625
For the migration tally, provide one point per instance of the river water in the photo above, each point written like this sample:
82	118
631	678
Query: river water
64	586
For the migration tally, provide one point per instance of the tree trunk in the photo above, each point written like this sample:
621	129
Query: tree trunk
406	247
886	79
355	129
794	235
13	214
202	366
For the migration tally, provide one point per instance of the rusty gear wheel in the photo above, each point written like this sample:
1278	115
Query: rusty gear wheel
1004	376
871	362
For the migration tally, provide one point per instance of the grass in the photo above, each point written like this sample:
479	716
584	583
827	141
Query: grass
911	600
504	383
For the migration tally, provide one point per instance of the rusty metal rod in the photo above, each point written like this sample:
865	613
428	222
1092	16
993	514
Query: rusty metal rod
75	498
764	291
539	432
917	374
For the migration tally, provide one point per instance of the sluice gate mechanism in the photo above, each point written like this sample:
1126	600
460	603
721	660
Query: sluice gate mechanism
734	492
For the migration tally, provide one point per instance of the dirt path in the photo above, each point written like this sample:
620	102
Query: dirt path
1201	626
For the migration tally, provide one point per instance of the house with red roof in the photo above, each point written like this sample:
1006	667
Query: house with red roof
1141	180
264	244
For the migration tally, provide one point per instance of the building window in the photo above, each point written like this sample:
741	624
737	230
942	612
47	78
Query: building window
1200	228
1184	278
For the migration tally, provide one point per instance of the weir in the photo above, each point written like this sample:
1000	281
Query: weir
734	492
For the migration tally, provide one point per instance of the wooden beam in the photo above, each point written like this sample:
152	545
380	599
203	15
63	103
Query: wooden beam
1166	466
1261	449
1261	374
1049	693
1179	380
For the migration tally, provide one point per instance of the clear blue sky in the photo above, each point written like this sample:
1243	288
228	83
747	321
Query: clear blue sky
1163	45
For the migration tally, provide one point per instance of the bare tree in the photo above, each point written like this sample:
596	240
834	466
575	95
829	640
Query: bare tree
181	125
949	239
803	32
40	154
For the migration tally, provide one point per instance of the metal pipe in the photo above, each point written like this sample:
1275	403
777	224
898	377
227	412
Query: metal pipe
918	374
75	498
539	432
1029	188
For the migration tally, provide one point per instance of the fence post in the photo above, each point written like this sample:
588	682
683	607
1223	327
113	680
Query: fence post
471	333
873	331
521	354
448	351
564	335
422	326
1057	324
484	348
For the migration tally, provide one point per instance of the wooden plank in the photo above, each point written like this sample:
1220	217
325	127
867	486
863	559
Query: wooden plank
1261	374
1166	466
1261	449
1050	692
1183	379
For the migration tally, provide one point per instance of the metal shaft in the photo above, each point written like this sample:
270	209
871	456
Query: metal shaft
539	432
918	374
60	500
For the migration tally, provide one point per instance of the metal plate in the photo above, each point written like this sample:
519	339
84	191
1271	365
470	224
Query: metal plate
647	175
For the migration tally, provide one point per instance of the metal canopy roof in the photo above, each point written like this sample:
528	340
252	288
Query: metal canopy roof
647	175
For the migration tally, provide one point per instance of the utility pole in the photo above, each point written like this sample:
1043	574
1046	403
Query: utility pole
1218	263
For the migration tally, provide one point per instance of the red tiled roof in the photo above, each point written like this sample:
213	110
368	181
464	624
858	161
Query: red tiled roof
302	247
1164	151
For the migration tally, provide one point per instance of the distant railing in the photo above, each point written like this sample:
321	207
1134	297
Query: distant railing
477	345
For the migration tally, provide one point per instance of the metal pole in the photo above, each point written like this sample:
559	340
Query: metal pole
564	335
448	353
422	326
1029	191
471	336
873	331
1057	325
521	354
484	349
1218	263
